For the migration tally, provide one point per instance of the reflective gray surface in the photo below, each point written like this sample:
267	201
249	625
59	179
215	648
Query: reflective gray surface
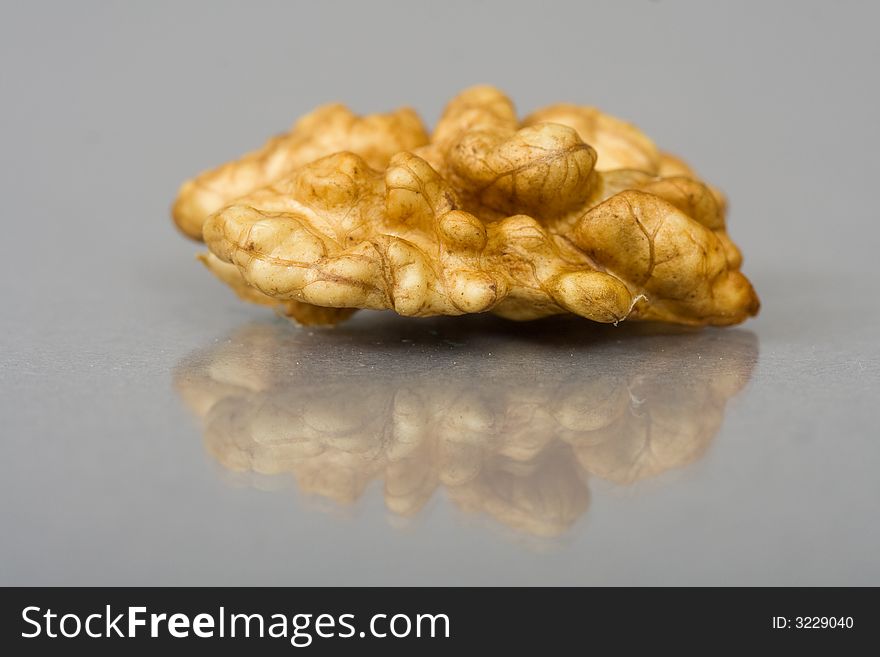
156	430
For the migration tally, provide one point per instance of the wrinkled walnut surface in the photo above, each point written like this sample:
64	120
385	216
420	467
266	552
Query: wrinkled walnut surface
568	211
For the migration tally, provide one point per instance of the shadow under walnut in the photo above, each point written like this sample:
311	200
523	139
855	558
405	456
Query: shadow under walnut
523	220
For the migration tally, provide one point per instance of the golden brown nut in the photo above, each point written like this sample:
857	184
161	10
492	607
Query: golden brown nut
490	216
326	130
621	145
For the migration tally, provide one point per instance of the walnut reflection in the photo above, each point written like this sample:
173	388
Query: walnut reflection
509	419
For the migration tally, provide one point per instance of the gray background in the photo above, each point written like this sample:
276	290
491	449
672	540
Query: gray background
107	107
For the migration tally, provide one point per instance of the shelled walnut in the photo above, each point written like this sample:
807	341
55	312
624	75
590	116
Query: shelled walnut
568	211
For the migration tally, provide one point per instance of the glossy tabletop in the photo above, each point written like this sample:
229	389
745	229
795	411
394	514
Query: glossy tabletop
156	430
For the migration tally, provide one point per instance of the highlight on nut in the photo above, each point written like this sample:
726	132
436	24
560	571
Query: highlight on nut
569	210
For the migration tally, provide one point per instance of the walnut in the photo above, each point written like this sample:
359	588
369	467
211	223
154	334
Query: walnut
326	130
570	211
517	444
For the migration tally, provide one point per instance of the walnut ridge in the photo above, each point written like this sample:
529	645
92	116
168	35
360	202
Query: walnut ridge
568	211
